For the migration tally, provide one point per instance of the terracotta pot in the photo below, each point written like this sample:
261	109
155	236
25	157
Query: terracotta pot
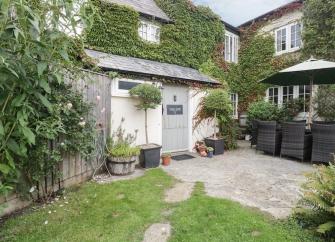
166	160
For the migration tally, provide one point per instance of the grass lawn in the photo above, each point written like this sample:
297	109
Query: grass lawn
122	211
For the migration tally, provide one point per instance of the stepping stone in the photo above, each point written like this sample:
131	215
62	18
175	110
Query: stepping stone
180	192
157	233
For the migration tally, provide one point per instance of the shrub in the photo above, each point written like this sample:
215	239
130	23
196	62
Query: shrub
325	100
291	109
229	130
217	103
318	203
263	110
121	144
150	97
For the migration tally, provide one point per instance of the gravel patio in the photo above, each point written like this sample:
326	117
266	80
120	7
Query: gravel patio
271	184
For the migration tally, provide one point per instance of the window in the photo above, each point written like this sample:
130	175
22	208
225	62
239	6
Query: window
281	40
288	38
288	93
304	94
296	36
127	85
231	47
174	109
234	101
149	32
274	95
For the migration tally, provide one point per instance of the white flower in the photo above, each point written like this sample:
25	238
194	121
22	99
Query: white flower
62	144
46	222
69	105
98	98
32	189
81	118
49	212
103	110
82	123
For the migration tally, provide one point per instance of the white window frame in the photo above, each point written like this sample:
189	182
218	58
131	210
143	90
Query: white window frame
288	38
273	96
151	33
234	100
120	92
232	42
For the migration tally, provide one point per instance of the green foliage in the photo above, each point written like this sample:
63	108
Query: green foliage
211	69
291	109
264	111
318	201
218	101
189	41
34	55
122	144
319	29
325	100
229	131
149	95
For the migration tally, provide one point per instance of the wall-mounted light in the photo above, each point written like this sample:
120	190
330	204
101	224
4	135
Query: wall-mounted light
175	98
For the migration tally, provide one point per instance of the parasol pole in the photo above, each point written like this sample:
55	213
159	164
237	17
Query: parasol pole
310	113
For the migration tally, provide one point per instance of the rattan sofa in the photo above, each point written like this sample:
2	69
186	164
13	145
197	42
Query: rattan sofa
323	142
295	142
268	137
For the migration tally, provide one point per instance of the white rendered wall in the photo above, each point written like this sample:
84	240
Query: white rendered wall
286	19
124	107
205	129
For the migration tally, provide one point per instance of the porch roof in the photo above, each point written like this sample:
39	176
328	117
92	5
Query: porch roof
146	7
149	68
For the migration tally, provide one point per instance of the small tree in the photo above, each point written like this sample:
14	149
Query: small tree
150	97
217	102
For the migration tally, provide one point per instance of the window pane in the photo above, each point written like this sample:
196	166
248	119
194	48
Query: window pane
124	85
270	91
276	91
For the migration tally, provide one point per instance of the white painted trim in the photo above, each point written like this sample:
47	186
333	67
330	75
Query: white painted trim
190	120
288	38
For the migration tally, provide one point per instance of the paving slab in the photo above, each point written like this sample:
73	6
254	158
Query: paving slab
157	233
179	192
251	178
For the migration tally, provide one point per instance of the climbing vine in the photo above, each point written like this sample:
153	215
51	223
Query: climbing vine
189	41
319	29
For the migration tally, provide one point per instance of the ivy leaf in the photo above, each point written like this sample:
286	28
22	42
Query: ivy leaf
13	146
58	77
41	67
30	136
18	100
44	101
10	160
5	169
64	54
2	130
45	85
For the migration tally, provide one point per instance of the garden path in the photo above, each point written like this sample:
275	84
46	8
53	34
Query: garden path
271	184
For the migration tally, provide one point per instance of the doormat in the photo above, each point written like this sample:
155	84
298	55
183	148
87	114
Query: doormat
182	157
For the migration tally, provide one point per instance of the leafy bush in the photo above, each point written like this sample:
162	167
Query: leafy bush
122	144
217	103
229	131
325	102
263	110
291	109
318	203
150	97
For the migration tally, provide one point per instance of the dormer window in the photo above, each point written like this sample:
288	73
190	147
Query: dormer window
149	31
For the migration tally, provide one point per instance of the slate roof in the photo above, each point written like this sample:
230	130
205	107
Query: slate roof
149	68
146	7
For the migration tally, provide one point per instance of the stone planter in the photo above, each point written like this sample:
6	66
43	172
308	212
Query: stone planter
121	166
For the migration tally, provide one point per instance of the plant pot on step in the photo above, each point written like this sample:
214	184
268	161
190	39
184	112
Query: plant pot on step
217	144
121	166
150	155
166	159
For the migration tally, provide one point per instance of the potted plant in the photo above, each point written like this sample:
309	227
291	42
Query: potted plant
210	151
216	103
121	154
150	97
166	159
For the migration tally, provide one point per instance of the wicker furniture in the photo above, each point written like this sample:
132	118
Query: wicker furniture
254	131
323	142
268	137
295	142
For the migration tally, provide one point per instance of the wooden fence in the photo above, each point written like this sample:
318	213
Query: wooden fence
96	89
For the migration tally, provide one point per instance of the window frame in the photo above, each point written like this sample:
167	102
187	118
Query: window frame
231	47
152	33
122	92
234	101
288	38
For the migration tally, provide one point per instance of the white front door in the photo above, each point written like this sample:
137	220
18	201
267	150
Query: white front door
175	118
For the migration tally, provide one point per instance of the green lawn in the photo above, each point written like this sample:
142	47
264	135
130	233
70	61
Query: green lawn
122	211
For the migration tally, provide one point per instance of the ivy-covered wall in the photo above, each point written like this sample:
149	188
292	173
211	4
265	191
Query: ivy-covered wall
319	29
189	41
